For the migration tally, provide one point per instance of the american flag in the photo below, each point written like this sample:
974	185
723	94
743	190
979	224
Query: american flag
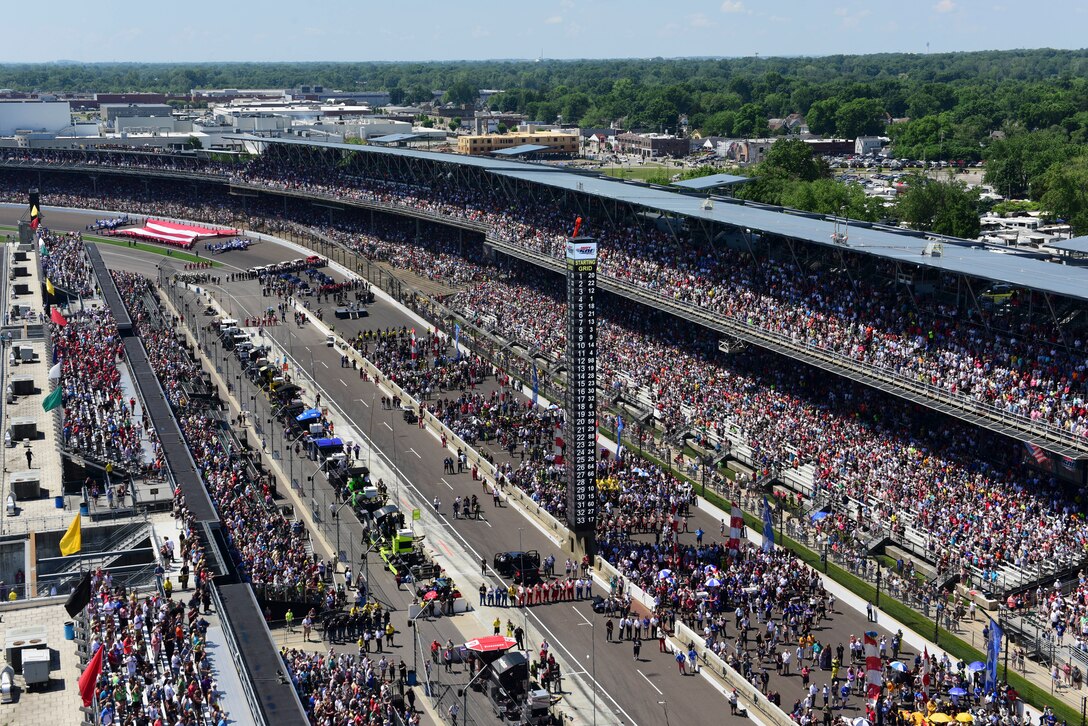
1038	453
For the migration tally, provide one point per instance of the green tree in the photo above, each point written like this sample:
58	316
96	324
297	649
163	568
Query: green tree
462	92
821	116
1016	164
750	121
944	207
397	95
1065	192
828	196
718	124
419	93
794	158
860	117
455	123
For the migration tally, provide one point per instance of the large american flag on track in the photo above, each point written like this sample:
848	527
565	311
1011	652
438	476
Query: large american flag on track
736	528
874	678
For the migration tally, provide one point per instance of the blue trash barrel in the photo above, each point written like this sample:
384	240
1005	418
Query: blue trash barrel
69	630
411	678
83	509
59	501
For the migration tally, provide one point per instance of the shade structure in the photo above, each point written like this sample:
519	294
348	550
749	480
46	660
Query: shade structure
664	574
308	415
964	717
957	692
940	718
430	595
976	667
491	644
713	582
899	666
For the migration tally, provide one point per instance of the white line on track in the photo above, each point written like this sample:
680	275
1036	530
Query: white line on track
659	691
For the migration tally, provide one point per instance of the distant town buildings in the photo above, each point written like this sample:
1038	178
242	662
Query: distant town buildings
482	144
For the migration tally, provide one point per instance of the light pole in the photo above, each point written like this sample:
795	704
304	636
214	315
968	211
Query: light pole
336	516
415	636
464	692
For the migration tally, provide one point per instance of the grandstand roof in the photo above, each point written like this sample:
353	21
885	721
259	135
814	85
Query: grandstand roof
520	150
889	243
1076	244
712	181
895	245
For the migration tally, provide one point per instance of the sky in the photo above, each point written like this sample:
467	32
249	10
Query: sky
334	30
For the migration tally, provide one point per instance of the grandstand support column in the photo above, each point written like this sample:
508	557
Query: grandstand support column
580	428
1053	315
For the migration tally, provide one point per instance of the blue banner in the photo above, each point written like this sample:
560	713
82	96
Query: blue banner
993	653
457	342
536	386
768	526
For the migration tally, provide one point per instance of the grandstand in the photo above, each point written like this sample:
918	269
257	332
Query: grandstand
891	311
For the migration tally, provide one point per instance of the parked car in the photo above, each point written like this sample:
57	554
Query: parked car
522	567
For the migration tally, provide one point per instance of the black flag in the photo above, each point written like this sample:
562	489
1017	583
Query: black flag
80	596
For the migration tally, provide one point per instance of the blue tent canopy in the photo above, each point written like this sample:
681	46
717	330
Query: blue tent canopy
308	415
817	516
328	443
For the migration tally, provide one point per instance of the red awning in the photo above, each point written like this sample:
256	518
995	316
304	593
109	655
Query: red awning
491	644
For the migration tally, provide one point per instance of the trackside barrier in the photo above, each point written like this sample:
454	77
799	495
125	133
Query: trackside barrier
749	696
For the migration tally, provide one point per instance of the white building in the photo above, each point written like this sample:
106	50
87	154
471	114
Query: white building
54	116
870	145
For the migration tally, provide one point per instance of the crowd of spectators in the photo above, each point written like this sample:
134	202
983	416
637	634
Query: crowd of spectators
341	688
270	549
155	666
65	264
421	364
99	422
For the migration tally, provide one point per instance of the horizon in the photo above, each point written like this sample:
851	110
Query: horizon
564	31
585	59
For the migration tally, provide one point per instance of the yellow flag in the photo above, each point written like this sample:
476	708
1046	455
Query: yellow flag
72	541
49	287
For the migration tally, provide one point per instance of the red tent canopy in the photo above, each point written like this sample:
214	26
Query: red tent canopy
491	644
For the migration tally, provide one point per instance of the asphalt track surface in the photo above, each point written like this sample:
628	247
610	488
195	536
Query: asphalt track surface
630	691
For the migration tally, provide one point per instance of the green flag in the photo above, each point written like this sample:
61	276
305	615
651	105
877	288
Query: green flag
53	399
